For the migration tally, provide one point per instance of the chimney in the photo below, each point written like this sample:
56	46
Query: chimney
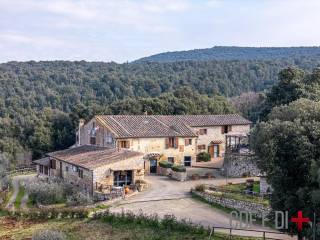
145	113
81	124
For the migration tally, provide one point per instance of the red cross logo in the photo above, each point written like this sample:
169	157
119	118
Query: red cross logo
300	220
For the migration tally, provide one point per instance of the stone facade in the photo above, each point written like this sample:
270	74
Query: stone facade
157	145
90	179
105	173
70	174
240	165
216	135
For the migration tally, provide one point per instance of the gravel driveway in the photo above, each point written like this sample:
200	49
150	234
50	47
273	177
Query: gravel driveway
167	196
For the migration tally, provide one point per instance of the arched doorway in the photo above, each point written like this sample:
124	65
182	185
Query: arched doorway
151	163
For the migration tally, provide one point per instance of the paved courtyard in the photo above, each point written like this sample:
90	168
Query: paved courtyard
166	196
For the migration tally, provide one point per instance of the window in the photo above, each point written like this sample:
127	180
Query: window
46	171
74	169
203	131
93	140
172	142
187	161
53	164
202	147
226	129
109	139
124	144
188	141
216	151
67	169
171	159
80	173
40	168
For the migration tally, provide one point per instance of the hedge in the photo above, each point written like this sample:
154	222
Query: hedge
179	168
165	164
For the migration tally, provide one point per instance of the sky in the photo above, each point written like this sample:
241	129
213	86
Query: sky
125	30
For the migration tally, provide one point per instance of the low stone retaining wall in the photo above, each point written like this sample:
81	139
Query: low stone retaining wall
164	171
257	210
180	176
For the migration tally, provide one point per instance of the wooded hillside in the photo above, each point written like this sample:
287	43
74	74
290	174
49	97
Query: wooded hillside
41	102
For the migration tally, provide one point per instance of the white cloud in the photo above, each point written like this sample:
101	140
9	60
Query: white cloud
123	30
33	40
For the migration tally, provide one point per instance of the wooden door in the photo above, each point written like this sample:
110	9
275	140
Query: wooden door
211	150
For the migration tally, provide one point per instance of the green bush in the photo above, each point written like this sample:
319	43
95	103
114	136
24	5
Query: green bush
46	193
52	213
165	164
203	157
179	168
200	188
78	198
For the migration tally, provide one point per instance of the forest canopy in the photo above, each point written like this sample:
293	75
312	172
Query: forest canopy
41	102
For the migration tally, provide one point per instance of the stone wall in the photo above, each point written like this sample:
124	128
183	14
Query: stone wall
179	176
70	174
214	133
135	164
265	188
257	210
240	165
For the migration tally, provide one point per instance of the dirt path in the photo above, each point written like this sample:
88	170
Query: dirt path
171	197
16	182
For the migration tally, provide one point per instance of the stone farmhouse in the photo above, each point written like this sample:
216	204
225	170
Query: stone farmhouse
119	149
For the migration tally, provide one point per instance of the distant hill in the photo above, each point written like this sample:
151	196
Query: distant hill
235	53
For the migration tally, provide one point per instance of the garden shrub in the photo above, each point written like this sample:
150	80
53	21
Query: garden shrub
168	222
200	188
46	193
52	213
78	198
141	181
48	235
179	168
165	164
203	157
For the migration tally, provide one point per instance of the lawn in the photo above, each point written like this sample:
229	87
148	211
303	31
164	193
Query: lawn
10	228
242	186
20	195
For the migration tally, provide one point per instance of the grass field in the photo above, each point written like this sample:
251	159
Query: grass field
10	228
242	186
20	195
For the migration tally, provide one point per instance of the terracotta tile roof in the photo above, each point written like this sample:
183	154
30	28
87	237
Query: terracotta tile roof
43	161
91	157
126	126
205	120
